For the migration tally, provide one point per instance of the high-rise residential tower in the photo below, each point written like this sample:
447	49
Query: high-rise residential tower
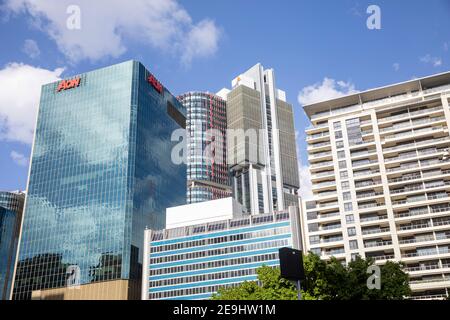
11	206
261	144
207	170
101	172
380	170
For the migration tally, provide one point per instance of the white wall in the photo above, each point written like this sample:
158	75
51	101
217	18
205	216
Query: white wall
202	212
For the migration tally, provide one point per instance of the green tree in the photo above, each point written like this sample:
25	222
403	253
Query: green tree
325	280
271	287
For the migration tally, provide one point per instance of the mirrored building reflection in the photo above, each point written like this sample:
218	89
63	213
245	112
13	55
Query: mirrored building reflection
101	173
11	206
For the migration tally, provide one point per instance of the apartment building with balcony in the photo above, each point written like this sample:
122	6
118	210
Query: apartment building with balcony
380	171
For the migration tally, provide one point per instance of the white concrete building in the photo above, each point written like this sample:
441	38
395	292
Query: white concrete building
202	212
380	170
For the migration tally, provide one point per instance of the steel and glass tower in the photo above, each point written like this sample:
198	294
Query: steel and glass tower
207	171
101	172
11	206
261	148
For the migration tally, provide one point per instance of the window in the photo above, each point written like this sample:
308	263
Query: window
348	206
337	125
351	231
347	196
312	215
343	174
314	239
353	244
341	154
350	218
345	185
342	164
338	135
316	251
339	144
313	227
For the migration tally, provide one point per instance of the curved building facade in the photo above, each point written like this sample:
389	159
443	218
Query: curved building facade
207	172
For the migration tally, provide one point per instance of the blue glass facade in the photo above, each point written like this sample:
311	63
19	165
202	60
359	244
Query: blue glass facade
11	206
101	173
194	262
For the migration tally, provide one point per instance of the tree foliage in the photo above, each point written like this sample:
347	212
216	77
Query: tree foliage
325	280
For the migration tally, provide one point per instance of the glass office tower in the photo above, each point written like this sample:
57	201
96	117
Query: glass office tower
101	173
11	206
207	170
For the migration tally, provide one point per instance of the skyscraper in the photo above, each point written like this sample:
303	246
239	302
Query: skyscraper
101	172
11	206
380	171
261	148
207	170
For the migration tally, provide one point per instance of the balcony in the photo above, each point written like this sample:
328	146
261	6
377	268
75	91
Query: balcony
321	164
369	194
317	136
407	115
365	173
363	184
373	244
382	257
373	231
356	164
324	184
414	132
370	205
416	144
411	124
373	218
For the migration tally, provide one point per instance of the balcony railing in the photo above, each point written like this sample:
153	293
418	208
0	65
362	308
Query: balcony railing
372	231
414	226
370	205
365	173
367	183
369	194
417	144
410	114
373	218
377	244
318	135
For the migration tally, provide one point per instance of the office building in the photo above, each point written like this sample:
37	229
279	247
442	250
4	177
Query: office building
207	170
261	143
192	261
11	206
380	170
101	172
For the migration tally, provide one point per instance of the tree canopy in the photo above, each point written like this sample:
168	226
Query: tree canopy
325	280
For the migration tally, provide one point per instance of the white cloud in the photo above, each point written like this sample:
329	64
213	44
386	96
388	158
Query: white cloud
19	99
328	89
31	48
446	45
396	66
305	182
435	61
19	158
160	24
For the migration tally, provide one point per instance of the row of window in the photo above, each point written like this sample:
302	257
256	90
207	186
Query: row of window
214	264
218	252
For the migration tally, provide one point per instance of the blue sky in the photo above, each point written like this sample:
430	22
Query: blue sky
324	46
